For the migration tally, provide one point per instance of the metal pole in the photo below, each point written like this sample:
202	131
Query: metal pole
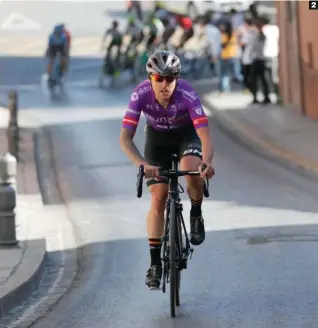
8	171
13	127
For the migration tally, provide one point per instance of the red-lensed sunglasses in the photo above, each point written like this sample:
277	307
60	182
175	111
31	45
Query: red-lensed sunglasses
160	78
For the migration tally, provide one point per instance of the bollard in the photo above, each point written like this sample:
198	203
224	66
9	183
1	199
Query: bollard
13	127
8	172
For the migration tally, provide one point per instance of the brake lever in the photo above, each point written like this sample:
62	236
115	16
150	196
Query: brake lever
206	183
140	178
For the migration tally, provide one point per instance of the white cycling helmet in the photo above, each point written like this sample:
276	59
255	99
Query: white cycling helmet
164	63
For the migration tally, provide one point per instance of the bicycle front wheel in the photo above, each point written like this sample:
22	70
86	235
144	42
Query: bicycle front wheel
173	259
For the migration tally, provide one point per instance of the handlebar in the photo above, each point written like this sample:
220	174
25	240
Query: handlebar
169	174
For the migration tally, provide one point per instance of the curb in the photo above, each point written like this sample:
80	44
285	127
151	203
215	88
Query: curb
251	138
27	275
17	288
65	281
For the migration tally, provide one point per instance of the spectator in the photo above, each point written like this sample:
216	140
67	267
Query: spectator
258	68
228	56
237	22
213	38
271	32
246	45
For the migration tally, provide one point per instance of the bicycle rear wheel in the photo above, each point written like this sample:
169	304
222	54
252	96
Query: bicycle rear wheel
173	259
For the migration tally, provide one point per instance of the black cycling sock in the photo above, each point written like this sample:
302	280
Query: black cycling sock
155	251
196	207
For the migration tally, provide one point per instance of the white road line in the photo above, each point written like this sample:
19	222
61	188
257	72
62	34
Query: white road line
17	22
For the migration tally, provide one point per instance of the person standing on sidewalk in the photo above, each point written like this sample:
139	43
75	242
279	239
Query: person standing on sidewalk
258	66
271	31
213	39
247	34
237	20
228	55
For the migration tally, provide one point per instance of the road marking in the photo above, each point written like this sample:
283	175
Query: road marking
18	22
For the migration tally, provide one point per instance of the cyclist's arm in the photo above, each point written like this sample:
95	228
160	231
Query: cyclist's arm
49	44
201	124
127	133
105	36
65	44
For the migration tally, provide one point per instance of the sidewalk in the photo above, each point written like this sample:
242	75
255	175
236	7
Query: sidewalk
21	266
272	130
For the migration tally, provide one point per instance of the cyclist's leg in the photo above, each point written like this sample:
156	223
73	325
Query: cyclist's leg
191	158
67	59
160	156
167	34
50	54
150	41
186	36
63	61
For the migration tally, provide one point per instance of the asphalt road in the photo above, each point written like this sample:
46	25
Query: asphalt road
83	18
256	269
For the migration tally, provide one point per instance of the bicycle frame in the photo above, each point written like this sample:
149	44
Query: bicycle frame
174	195
57	68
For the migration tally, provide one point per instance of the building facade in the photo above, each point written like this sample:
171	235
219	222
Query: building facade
298	56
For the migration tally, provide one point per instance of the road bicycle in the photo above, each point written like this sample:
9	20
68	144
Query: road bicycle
176	249
55	80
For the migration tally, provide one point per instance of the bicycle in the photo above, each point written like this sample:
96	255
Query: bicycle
176	248
55	79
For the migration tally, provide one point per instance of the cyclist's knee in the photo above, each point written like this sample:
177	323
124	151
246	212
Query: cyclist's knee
159	194
191	163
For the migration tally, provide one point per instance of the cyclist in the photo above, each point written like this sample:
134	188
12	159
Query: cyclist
186	24
152	31
175	122
169	22
112	38
134	31
57	44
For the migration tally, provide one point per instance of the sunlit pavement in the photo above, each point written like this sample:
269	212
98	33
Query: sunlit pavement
255	269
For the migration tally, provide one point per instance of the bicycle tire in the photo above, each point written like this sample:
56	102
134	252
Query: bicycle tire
164	251
180	247
173	258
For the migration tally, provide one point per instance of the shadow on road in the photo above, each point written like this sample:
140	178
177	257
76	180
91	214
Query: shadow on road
229	279
92	166
21	70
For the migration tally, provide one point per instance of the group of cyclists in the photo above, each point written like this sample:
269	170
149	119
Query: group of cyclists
154	32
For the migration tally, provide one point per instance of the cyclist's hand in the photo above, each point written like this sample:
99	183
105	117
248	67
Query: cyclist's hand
151	171
208	172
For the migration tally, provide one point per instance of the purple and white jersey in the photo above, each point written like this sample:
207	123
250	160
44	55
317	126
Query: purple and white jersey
185	108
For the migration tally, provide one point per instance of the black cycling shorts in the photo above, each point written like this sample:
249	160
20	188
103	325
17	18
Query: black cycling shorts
160	146
54	50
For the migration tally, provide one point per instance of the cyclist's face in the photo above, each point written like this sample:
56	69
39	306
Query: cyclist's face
163	87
